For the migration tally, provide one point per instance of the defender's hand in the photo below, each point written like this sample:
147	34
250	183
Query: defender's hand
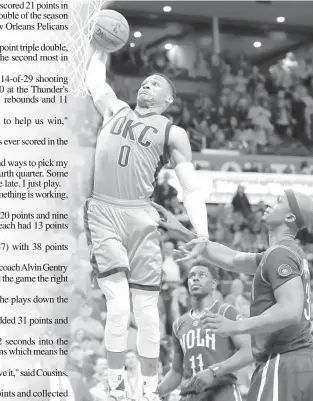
193	249
218	324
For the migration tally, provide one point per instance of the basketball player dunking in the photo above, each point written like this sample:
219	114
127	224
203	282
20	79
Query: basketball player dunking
280	312
120	221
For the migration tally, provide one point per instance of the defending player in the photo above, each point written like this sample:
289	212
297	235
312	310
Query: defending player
122	225
280	307
207	358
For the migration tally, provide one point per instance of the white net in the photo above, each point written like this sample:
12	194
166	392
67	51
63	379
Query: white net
73	62
80	32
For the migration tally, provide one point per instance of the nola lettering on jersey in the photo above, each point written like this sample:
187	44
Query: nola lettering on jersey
127	131
198	338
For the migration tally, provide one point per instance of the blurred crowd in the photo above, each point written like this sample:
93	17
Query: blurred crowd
246	110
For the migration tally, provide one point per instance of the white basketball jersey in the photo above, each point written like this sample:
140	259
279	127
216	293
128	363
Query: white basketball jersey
131	150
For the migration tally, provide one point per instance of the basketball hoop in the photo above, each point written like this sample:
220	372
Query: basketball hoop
76	39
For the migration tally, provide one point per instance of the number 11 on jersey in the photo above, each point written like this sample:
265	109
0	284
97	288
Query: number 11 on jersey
196	364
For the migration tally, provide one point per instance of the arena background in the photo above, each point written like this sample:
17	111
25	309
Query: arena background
244	77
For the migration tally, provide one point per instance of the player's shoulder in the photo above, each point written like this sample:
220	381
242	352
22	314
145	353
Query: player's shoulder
164	122
227	310
293	247
117	105
178	137
123	107
286	250
164	118
155	120
176	130
181	322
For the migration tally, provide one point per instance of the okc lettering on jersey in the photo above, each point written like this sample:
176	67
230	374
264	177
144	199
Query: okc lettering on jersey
126	131
198	338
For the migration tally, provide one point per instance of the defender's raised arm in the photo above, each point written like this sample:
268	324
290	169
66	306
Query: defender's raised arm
215	253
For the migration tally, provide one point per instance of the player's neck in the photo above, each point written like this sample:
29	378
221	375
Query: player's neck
143	110
199	304
279	234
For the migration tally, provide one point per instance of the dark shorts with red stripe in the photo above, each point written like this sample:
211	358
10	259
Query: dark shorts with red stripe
123	236
284	377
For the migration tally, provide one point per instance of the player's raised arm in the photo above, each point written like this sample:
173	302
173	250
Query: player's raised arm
174	376
102	94
180	157
234	261
224	257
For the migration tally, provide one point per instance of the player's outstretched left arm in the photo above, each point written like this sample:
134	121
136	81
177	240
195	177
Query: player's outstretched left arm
180	157
102	94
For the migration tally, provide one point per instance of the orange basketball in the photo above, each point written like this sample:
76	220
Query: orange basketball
111	30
